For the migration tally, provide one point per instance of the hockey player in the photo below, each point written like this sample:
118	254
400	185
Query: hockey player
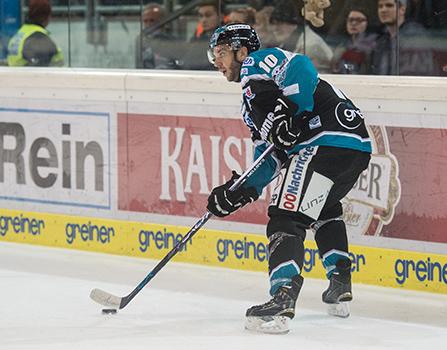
322	146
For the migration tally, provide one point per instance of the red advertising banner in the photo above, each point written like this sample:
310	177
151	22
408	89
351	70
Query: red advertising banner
169	164
421	213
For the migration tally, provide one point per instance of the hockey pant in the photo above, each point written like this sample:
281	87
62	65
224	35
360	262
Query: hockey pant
307	195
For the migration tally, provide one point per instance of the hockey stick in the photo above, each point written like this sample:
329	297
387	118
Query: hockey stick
110	300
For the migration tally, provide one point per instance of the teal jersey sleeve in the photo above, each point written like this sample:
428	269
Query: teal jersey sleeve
300	83
267	171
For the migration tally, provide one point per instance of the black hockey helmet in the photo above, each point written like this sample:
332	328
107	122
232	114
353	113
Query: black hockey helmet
236	35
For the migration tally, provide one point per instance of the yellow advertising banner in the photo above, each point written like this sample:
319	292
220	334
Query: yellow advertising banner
376	266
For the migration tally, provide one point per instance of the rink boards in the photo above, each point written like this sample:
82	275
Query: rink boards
236	250
122	162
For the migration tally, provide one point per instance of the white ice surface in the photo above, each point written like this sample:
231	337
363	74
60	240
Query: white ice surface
45	306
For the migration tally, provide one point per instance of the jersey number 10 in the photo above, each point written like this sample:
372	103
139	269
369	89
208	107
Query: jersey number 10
269	62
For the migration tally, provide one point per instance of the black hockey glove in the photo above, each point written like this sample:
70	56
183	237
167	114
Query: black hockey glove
279	127
223	202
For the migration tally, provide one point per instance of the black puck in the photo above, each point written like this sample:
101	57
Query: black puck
109	311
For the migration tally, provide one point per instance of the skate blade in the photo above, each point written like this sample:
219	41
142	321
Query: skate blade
269	325
339	310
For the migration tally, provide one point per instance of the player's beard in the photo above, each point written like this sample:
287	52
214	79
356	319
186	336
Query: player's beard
235	72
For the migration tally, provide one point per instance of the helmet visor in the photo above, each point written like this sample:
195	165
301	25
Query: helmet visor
211	56
219	51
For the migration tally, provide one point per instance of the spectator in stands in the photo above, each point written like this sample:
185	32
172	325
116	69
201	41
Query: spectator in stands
292	34
263	27
210	17
32	45
245	15
352	55
153	49
400	41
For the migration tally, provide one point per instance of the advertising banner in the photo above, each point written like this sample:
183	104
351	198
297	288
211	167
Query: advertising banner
378	266
169	164
55	157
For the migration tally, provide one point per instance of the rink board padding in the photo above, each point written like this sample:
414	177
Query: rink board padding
104	150
236	250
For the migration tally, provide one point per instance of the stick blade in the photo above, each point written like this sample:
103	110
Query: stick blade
105	299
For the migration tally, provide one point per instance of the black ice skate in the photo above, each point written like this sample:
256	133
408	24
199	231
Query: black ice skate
339	292
274	315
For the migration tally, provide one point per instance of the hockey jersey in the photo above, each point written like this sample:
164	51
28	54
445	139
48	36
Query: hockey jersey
325	115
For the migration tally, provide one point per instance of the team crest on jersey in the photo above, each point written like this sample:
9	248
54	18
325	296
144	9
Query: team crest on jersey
279	73
249	61
244	71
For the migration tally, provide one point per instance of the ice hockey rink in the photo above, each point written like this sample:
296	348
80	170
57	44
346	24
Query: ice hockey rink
45	305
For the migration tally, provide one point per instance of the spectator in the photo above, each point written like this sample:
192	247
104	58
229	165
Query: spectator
352	55
210	13
400	41
210	17
245	15
32	45
262	26
292	34
150	42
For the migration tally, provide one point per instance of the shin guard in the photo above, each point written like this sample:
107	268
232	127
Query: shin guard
332	243
286	251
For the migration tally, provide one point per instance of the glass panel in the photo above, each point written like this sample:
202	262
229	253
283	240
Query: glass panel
26	33
59	28
422	38
10	21
180	38
293	33
437	27
350	30
355	37
411	32
102	33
